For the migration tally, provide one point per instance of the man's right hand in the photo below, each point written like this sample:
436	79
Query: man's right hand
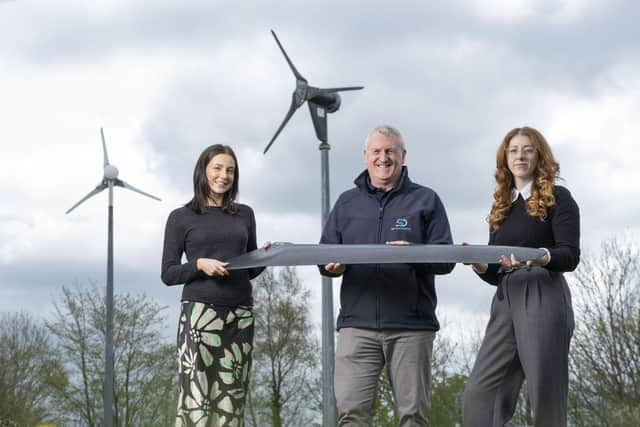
335	268
478	267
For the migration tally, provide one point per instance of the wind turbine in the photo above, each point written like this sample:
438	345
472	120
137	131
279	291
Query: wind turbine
109	180
322	101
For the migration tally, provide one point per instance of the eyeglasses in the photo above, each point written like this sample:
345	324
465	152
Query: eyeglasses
526	151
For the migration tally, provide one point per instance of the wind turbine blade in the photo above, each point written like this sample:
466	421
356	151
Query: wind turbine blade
293	68
290	113
93	192
104	149
121	183
339	89
280	254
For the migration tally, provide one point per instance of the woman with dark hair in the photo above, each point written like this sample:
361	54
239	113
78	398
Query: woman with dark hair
531	320
215	333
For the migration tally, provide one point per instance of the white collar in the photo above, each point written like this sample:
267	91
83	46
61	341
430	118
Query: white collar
525	192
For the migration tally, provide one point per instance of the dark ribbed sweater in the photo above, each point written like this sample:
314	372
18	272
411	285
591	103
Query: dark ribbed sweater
212	234
559	233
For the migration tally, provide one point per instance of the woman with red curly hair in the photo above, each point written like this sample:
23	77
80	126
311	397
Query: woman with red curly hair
531	320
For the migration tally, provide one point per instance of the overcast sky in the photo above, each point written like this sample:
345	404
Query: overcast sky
167	78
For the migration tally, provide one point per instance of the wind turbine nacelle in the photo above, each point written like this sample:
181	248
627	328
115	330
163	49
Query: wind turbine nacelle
330	101
110	172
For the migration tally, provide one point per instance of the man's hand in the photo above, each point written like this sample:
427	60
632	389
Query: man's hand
335	268
477	266
397	243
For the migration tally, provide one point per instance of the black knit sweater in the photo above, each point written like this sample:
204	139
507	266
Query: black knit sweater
213	234
559	233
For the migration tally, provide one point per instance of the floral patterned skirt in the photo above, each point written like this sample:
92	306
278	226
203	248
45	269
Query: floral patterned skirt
214	350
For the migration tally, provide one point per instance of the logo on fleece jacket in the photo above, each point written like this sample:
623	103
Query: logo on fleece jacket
401	224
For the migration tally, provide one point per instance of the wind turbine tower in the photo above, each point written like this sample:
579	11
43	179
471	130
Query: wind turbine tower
109	180
321	102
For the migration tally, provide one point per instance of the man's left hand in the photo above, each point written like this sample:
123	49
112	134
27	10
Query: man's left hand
397	243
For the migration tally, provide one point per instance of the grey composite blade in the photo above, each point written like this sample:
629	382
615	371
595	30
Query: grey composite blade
92	193
105	156
281	254
121	183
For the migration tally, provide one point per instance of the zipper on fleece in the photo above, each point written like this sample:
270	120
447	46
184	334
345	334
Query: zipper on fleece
380	221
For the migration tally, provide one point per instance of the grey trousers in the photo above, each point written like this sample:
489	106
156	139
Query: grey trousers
528	337
360	356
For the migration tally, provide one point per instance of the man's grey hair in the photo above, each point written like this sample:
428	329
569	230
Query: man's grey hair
389	132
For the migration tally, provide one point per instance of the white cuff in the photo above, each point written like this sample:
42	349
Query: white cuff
548	255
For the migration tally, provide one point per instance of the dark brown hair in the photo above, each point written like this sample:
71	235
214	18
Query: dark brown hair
201	189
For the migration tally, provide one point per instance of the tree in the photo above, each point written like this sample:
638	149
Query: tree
605	356
384	409
29	371
145	365
447	385
283	389
523	415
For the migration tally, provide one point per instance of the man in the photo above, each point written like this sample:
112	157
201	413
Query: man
387	311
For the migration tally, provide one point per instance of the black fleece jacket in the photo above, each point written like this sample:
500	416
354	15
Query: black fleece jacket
385	296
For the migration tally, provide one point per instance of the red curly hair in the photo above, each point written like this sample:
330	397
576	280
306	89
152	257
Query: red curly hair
545	175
